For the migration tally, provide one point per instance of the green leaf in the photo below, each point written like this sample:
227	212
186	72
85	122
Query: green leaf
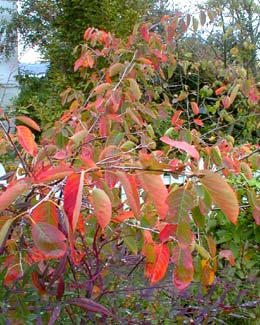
202	17
181	202
184	235
4	232
130	242
234	94
198	217
195	23
202	251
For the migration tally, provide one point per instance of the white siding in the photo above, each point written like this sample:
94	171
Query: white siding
8	67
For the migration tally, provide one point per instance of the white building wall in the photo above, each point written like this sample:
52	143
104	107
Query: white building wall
8	66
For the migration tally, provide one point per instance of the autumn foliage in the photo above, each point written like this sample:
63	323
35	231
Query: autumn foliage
96	177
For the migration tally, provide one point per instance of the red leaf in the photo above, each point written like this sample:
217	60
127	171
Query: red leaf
182	145
161	264
183	271
90	306
88	33
73	197
129	184
198	122
253	95
49	240
167	232
195	108
50	173
221	194
13	269
145	33
228	254
157	191
26	140
13	191
29	122
38	285
46	212
102	206
256	215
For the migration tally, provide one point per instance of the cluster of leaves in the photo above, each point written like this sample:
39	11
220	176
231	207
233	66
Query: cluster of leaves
64	221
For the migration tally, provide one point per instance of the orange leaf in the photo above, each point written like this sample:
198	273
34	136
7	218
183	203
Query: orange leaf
46	212
220	90
73	197
162	253
221	194
228	254
102	206
129	184
157	191
29	122
90	60
195	108
207	273
13	191
26	140
182	145
49	240
176	116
